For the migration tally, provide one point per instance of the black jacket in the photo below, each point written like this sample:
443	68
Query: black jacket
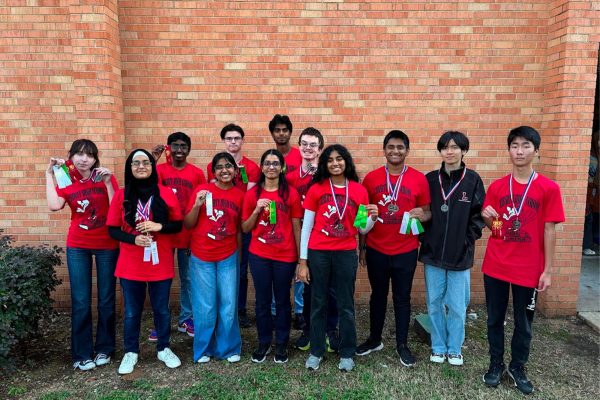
449	238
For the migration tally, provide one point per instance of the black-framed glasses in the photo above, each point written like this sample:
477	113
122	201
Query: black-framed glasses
182	147
219	167
269	164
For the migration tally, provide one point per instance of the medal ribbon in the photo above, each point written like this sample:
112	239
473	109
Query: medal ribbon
361	217
447	196
393	191
337	207
168	154
272	213
308	171
518	211
243	174
143	210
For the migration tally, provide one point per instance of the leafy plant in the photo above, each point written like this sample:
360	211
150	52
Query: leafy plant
27	276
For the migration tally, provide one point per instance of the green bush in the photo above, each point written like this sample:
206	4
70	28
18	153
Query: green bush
27	276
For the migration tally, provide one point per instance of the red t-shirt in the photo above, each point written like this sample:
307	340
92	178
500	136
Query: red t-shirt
328	233
215	238
299	182
275	241
89	207
252	170
518	256
182	182
131	264
414	192
293	160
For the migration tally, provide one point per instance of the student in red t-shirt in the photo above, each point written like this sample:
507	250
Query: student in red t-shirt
328	249
391	255
311	144
143	217
88	197
181	177
233	137
213	215
281	132
522	210
272	213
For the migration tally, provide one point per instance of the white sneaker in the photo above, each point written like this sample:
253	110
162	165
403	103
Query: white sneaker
203	360
128	363
84	365
234	358
101	359
438	358
589	252
455	359
169	358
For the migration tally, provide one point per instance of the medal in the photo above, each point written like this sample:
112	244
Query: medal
392	208
341	212
393	190
339	227
445	196
516	223
497	228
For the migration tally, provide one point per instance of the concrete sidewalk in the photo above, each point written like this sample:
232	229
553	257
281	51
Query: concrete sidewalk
588	304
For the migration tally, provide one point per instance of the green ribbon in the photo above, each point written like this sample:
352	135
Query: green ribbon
243	174
361	217
272	212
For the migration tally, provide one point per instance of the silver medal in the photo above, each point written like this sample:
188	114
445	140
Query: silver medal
444	207
393	208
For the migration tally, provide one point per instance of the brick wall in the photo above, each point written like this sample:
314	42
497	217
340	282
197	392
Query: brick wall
128	73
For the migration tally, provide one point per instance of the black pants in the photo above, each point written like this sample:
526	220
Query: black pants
332	313
496	298
400	269
335	269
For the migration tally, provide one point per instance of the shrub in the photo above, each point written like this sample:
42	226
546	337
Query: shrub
27	276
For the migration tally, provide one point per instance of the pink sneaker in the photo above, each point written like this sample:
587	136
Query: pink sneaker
187	326
153	336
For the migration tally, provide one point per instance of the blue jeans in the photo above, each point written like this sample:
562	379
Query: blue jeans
272	277
243	273
79	263
185	302
134	295
448	295
214	299
298	298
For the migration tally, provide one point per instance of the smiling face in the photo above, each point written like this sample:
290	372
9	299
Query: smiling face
309	148
141	167
179	150
233	141
522	152
336	164
452	154
224	171
395	151
281	134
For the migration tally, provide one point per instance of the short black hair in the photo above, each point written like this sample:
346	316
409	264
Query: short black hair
280	119
396	134
527	133
310	131
459	138
175	136
231	127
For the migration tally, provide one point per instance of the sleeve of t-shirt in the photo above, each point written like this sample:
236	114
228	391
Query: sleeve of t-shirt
364	195
60	192
254	173
209	173
312	198
490	197
173	205
114	217
249	204
424	196
367	184
554	211
295	204
192	199
201	180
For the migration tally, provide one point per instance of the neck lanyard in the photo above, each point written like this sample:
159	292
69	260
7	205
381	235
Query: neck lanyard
445	196
393	191
516	222
337	207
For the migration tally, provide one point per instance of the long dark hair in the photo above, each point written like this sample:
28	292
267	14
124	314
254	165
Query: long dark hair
85	146
283	188
142	189
322	171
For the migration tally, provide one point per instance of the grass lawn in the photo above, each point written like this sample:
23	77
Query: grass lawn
564	364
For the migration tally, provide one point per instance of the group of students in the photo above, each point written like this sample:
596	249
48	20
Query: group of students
295	217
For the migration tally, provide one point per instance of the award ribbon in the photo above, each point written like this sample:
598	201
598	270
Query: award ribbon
308	171
243	174
168	154
208	202
272	212
445	196
410	225
361	217
73	172
143	214
61	174
393	191
337	207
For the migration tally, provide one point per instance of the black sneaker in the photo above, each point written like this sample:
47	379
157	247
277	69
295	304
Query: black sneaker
303	342
494	374
406	357
281	355
368	347
520	380
260	354
299	322
243	320
332	342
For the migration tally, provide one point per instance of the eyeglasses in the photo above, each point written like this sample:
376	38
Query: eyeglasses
269	164
233	139
219	167
182	147
137	164
311	145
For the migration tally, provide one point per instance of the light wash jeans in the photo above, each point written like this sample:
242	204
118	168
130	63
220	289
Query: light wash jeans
448	295
214	288
185	302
